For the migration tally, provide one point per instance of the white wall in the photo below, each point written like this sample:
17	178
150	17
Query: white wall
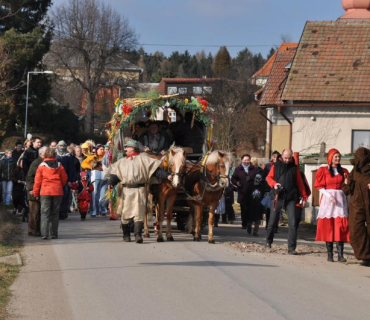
332	125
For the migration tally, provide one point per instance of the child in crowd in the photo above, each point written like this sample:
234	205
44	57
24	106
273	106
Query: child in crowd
255	205
84	190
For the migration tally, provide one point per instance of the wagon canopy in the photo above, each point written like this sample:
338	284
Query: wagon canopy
128	110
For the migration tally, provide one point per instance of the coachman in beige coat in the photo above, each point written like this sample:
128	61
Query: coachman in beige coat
133	173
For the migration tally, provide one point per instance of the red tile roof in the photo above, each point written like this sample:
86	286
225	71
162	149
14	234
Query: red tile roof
267	67
332	63
276	82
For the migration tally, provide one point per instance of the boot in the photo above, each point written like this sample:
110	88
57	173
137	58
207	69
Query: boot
224	218
249	227
126	232
138	228
329	248
340	248
256	228
216	220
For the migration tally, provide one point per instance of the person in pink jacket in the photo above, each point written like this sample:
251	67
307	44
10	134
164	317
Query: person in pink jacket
49	181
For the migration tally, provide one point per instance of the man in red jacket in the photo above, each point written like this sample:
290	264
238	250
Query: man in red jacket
286	181
49	182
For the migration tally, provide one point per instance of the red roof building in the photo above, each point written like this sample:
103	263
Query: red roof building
187	86
320	92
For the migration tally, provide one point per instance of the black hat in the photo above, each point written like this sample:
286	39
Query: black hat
140	124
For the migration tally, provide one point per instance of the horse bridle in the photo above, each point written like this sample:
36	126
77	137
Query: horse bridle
214	187
173	174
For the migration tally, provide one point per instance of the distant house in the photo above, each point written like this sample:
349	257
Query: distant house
187	86
320	92
261	76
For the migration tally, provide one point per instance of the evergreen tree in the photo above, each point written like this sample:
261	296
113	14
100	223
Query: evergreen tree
270	54
222	63
25	35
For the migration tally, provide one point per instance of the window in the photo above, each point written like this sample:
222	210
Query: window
360	138
171	90
183	90
197	90
207	90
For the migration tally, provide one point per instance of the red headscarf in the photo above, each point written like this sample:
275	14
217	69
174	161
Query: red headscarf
331	154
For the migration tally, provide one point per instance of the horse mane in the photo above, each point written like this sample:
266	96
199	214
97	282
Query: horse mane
178	151
213	157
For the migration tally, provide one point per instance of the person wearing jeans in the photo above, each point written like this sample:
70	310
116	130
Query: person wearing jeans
6	173
49	181
98	204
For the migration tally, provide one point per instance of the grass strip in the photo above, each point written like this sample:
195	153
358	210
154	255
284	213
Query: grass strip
10	243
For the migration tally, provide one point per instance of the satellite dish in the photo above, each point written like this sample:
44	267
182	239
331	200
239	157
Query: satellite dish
29	136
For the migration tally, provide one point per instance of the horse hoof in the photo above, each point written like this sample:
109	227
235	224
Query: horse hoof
211	241
170	239
160	240
197	239
146	235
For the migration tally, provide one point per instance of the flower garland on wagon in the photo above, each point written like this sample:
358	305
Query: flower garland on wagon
128	109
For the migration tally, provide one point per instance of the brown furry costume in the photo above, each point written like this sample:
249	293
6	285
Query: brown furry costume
359	204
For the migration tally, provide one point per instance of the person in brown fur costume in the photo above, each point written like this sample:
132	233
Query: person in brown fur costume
357	186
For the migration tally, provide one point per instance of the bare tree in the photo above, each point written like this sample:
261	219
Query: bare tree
238	124
286	37
89	38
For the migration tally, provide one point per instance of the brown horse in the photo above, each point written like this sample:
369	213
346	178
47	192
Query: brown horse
175	164
205	182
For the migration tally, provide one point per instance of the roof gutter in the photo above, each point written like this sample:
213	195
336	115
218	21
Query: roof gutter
290	125
297	105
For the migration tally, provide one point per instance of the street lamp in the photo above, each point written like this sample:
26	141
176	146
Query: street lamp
28	87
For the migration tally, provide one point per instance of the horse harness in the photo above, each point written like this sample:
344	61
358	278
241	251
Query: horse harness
208	186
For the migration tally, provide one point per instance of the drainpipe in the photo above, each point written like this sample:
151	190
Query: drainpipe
269	135
290	125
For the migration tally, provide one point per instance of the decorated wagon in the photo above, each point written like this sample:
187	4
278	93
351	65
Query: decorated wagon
168	109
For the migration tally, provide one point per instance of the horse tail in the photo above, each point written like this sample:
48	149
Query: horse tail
190	223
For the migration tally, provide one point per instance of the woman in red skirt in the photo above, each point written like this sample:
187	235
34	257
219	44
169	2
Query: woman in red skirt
332	220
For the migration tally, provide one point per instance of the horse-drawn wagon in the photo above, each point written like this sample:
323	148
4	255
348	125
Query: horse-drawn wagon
191	129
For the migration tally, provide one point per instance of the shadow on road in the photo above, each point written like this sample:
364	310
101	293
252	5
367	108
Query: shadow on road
207	264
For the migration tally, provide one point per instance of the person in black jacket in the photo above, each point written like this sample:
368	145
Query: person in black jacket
18	192
243	178
17	152
31	154
6	173
286	181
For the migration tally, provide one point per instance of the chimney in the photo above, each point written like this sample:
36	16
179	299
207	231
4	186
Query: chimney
356	9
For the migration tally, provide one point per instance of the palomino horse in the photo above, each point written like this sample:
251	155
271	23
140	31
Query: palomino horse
175	164
206	183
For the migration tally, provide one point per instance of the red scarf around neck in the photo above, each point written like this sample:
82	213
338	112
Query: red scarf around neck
131	155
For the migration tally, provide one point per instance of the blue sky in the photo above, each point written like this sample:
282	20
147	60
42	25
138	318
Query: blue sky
256	24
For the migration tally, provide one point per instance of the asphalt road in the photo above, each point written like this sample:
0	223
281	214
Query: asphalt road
90	273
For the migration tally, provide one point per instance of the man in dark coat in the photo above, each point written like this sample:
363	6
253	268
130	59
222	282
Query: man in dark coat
287	183
243	178
274	157
17	152
34	218
31	154
357	185
67	160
